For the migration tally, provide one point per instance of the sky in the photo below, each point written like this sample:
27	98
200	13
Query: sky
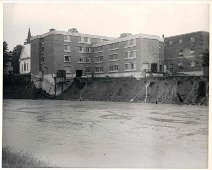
102	18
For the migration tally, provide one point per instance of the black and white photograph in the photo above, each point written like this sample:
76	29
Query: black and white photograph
105	84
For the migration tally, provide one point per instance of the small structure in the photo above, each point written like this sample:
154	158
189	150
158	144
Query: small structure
25	57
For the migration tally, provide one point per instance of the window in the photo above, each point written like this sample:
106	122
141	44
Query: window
113	46
145	66
42	50
180	41
170	42
87	69
67	38
66	58
98	69
113	57
42	60
85	49
27	67
98	59
130	54
181	53
24	66
67	48
130	43
80	60
87	60
84	40
180	65
192	51
97	49
130	66
192	64
113	68
192	39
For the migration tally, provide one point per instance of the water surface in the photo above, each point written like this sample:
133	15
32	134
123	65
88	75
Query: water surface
106	134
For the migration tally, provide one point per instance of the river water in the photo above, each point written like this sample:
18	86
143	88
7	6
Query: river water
106	134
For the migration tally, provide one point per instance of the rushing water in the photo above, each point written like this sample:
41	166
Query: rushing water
106	134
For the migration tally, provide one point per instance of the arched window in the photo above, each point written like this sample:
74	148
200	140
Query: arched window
24	66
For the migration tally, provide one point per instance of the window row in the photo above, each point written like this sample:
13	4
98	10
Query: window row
191	52
192	39
130	66
181	65
84	60
130	54
82	39
113	68
24	67
98	59
113	57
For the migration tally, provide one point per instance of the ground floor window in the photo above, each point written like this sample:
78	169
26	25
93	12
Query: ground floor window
87	69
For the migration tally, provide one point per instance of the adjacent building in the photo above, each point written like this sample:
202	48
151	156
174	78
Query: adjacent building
25	57
184	53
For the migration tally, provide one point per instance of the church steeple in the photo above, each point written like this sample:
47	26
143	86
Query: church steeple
28	37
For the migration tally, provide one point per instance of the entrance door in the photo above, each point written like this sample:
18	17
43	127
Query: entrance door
154	67
78	73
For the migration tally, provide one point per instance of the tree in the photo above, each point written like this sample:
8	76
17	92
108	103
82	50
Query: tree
6	57
15	58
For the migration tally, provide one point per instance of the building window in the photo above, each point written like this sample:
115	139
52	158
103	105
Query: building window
113	57
27	67
87	69
130	54
130	66
181	53
84	40
42	50
67	48
98	49
85	49
87	60
146	66
113	46
98	69
24	66
98	59
66	58
67	38
192	39
193	64
80	60
192	51
180	41
130	43
113	68
170	42
180	65
42	60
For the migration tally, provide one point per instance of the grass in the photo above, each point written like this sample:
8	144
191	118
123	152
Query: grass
13	159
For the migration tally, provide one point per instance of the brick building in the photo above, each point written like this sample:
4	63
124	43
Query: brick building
183	53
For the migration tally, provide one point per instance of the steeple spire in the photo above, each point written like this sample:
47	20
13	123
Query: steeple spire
28	37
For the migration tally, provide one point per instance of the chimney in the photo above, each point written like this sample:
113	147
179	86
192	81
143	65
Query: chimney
73	30
52	29
125	34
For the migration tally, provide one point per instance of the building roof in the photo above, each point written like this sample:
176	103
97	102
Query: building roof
187	34
76	34
129	37
25	52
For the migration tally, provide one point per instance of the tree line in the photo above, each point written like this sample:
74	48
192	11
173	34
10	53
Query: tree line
11	57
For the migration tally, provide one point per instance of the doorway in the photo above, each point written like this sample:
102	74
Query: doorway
78	73
154	67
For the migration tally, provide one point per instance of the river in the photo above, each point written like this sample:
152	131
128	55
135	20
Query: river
107	134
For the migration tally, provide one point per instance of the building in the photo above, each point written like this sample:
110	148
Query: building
184	53
25	56
128	56
59	50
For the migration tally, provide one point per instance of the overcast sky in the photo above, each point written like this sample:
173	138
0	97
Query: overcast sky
108	19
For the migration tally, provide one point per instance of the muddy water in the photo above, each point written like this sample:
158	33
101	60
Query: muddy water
106	134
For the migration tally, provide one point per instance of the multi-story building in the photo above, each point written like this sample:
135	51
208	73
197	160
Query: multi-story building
183	53
59	50
128	55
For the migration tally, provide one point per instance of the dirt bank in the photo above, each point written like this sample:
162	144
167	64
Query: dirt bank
186	90
181	90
